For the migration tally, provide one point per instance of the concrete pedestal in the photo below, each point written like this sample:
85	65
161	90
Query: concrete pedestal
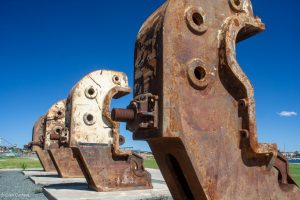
81	191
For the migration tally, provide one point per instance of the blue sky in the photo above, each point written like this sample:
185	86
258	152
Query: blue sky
47	46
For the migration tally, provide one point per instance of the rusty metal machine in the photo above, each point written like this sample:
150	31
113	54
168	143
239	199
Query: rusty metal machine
37	145
195	107
55	142
94	136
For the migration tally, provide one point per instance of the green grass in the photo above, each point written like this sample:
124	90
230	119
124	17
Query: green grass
295	172
150	163
294	168
22	163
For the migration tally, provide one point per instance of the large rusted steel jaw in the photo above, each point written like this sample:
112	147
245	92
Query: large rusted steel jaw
37	145
56	138
54	125
195	106
95	138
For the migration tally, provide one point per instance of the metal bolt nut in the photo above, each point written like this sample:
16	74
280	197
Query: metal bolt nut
122	115
195	19
91	92
89	119
236	5
198	74
116	79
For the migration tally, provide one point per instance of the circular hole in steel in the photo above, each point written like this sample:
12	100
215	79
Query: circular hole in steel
237	2
197	19
236	5
242	104
199	73
121	140
116	78
244	134
91	91
58	130
59	113
90	117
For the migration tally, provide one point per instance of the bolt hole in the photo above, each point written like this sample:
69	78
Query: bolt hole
116	78
199	73
197	19
91	91
59	113
244	134
57	130
90	117
242	104
237	2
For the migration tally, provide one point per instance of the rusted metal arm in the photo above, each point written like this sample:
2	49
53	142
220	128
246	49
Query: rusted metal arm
37	145
201	126
94	136
56	139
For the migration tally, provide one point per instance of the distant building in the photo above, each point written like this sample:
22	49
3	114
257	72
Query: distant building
289	154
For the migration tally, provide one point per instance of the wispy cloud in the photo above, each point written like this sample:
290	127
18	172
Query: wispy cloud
287	114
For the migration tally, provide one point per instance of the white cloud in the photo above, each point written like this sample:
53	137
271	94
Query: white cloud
287	114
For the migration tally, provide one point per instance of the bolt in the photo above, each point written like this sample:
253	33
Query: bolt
121	139
122	115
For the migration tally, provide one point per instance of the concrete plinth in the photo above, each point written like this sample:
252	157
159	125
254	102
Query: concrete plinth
77	188
38	173
52	179
156	175
81	191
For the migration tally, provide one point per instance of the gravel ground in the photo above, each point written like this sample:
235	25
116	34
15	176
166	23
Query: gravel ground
14	186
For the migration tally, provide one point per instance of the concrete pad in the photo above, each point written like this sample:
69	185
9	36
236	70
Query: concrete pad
38	173
156	175
81	191
52	179
20	169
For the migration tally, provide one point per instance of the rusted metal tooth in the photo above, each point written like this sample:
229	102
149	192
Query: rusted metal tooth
46	160
205	110
37	145
122	115
55	140
94	135
54	125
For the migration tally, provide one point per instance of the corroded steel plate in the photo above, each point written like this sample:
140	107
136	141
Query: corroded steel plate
94	136
201	123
